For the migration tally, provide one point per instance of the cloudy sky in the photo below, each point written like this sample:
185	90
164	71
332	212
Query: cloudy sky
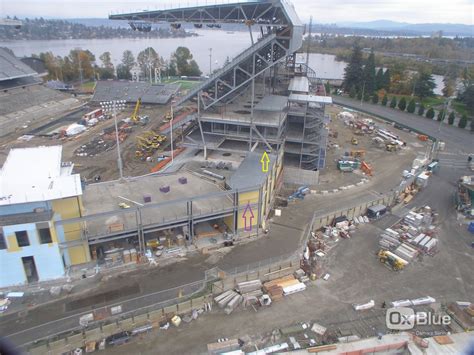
323	11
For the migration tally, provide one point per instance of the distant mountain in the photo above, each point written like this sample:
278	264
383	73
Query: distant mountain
449	29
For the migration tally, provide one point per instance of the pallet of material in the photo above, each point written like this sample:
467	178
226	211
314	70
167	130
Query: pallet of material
249	286
233	304
276	282
298	287
275	292
224	301
288	283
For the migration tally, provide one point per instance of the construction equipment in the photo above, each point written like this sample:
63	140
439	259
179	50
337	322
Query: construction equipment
358	153
423	137
391	260
354	141
136	118
366	168
147	143
391	147
348	165
167	117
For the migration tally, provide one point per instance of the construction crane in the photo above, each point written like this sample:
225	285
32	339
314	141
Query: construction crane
391	260
136	118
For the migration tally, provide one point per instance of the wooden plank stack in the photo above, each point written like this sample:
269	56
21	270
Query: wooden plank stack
274	288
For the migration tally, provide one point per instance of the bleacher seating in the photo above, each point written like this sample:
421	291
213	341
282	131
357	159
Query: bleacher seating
18	99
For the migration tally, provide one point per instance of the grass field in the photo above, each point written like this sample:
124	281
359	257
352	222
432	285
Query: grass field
88	87
185	84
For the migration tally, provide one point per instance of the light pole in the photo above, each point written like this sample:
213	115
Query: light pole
114	106
171	135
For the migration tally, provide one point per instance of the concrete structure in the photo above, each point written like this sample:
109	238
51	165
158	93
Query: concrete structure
190	202
37	190
263	98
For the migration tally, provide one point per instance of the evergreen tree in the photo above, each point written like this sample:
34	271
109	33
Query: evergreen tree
441	115
402	104
327	87
451	118
183	61
379	81
463	121
375	99
411	106
393	102
385	100
353	73
430	113
424	85
369	74
352	92
387	79
421	110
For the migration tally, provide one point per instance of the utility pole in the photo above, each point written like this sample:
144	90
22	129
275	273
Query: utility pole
210	61
171	134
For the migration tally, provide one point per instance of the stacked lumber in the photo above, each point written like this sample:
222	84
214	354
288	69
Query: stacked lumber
275	292
224	298
275	287
249	286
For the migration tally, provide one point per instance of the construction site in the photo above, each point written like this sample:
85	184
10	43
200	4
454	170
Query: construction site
156	177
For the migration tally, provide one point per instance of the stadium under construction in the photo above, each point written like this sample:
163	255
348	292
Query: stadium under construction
263	99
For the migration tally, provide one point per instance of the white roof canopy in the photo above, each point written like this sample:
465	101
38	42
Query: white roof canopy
37	174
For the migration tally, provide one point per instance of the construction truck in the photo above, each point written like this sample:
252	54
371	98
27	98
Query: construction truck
391	260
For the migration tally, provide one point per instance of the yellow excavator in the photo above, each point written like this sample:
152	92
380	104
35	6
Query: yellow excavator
391	260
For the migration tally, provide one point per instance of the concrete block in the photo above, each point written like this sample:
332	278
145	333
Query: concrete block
343	187
314	192
335	190
350	186
324	192
360	183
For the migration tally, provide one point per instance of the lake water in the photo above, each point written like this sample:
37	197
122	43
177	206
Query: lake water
223	45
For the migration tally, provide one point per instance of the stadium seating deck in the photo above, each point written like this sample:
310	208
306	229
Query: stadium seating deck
131	91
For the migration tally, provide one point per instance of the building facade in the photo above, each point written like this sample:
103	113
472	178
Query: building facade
36	190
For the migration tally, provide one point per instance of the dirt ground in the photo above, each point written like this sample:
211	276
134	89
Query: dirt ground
105	163
378	158
356	277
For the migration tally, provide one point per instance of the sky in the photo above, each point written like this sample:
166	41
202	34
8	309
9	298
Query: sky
323	11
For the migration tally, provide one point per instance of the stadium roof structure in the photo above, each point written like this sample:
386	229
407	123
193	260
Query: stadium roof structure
13	68
131	91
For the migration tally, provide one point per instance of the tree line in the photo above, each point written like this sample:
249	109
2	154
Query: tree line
363	81
83	64
41	29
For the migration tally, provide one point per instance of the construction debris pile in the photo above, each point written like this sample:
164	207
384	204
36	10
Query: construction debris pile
323	240
413	237
465	196
105	142
253	293
463	314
